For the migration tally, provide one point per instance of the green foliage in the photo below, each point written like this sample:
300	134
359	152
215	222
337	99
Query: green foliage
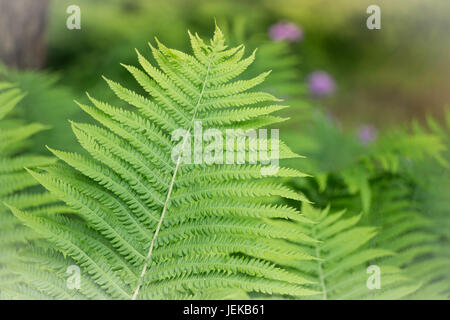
333	154
400	184
17	187
45	102
142	226
431	181
147	227
342	256
407	231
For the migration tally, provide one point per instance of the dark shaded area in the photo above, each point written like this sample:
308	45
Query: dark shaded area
23	25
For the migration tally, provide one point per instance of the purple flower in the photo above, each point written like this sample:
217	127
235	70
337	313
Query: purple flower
285	31
367	134
321	83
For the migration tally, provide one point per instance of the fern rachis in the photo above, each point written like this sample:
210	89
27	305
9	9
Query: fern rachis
172	181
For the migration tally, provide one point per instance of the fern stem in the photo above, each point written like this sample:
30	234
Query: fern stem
319	268
172	182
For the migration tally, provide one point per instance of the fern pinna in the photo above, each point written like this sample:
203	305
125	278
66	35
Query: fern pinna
148	227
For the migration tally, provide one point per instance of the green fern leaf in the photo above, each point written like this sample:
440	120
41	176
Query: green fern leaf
150	227
343	255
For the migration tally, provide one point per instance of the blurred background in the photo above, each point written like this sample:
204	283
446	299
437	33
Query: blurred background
364	80
369	108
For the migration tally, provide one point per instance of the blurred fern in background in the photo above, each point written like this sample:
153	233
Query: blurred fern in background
18	188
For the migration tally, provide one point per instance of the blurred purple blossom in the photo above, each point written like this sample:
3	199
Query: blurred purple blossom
321	83
285	31
367	134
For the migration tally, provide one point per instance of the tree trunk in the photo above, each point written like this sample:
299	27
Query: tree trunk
22	33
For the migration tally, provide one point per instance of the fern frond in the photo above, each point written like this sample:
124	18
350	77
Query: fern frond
18	188
150	226
342	256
